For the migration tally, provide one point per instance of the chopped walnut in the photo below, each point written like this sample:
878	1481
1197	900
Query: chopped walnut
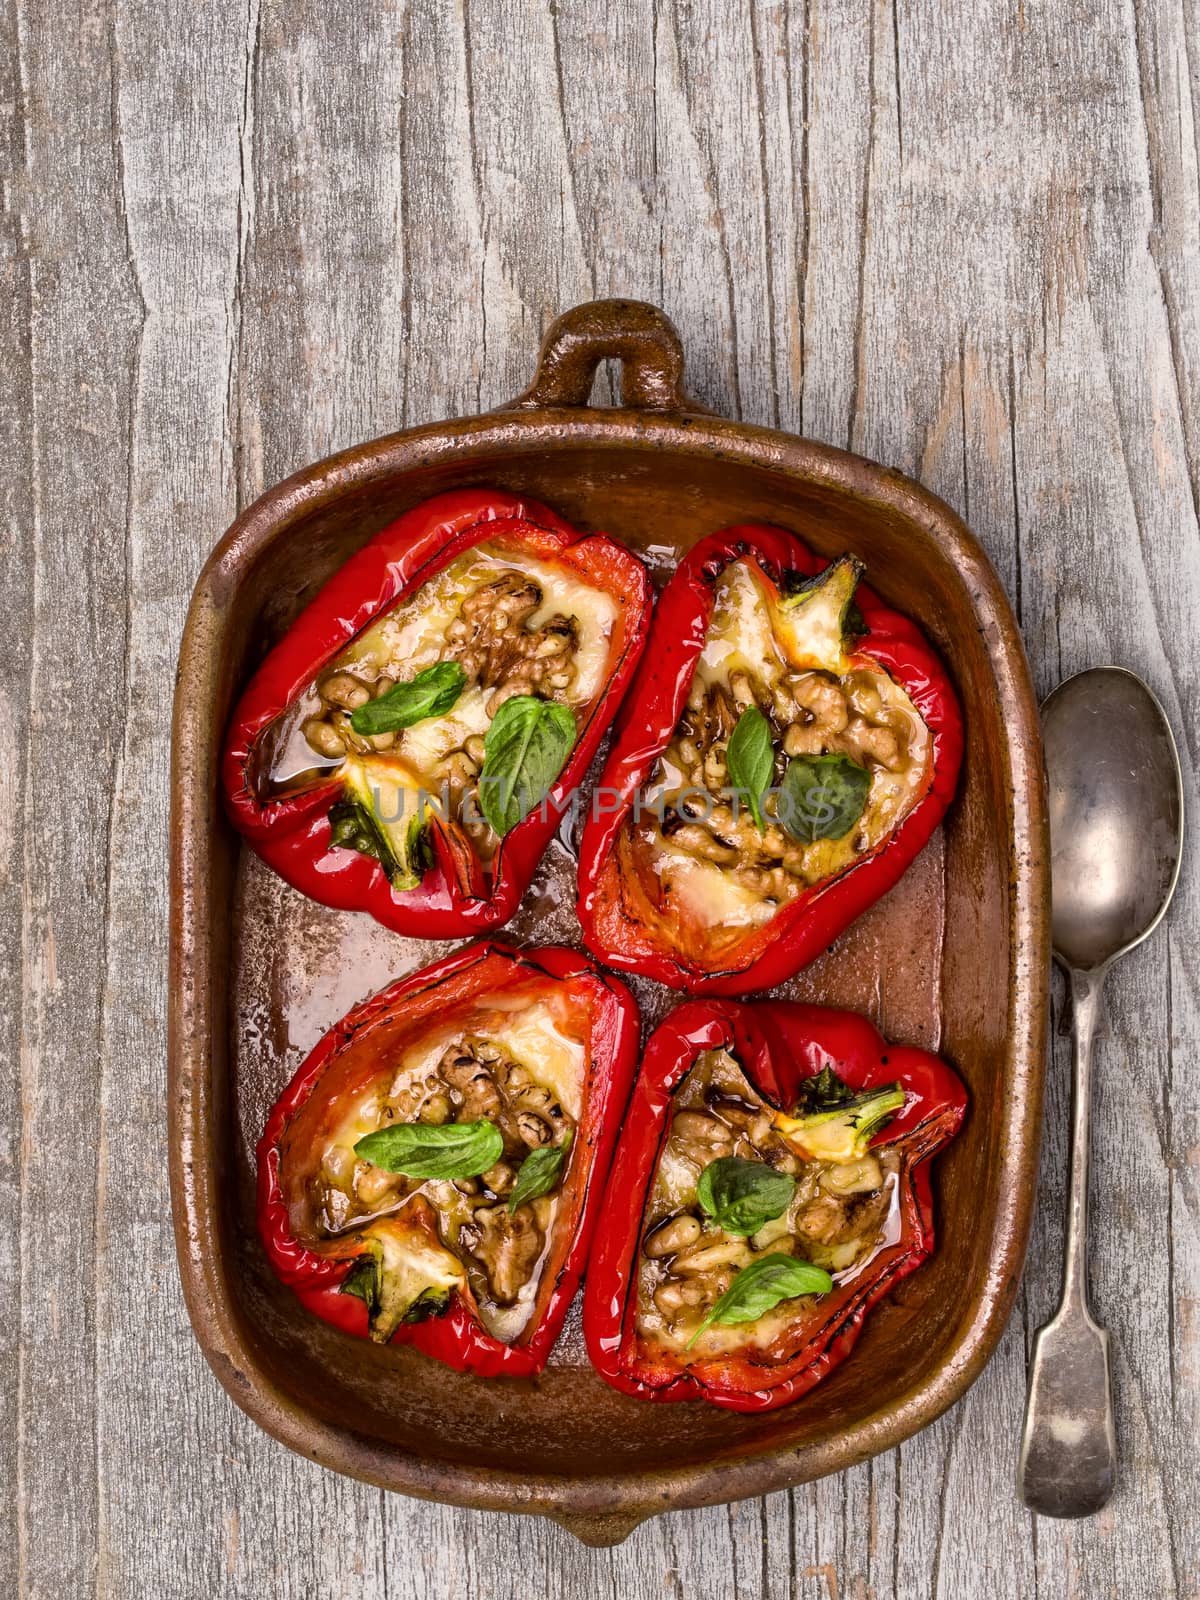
493	641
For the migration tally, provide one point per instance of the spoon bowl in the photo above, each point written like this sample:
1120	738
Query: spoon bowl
1116	814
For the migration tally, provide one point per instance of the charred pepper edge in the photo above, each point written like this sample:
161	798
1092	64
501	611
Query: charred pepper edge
458	1337
480	1346
763	1037
844	1323
292	834
395	562
800	931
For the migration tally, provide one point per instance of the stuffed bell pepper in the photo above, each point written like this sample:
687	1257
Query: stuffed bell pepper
409	746
771	1183
433	1173
788	747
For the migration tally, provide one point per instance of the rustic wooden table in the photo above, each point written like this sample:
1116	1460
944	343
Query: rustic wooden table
963	239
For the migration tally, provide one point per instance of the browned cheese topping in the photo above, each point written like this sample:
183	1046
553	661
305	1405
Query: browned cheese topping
514	623
524	1077
709	853
840	1213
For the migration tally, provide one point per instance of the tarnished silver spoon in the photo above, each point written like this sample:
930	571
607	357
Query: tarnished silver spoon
1116	838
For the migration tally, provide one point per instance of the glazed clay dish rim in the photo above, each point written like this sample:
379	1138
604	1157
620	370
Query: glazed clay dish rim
599	1508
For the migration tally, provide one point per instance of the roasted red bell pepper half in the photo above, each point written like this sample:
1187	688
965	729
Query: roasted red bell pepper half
770	1184
412	742
788	747
432	1175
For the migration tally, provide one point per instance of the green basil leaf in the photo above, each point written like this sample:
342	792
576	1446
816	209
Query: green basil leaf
822	797
760	1287
524	751
740	1196
539	1172
430	694
750	759
421	1150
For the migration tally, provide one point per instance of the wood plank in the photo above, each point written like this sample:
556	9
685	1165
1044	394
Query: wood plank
80	340
238	1511
16	566
180	199
964	241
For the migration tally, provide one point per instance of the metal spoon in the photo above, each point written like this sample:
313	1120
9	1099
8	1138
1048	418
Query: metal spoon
1116	837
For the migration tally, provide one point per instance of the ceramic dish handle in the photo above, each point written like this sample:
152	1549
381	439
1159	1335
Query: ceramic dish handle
637	335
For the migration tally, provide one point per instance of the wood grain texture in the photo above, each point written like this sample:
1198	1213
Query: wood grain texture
962	239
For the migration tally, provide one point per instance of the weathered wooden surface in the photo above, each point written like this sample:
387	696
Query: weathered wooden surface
964	239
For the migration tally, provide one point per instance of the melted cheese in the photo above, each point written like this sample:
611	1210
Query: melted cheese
707	893
413	1262
387	786
740	636
530	1035
390	787
427	744
595	614
836	1140
550	1056
750	627
675	1183
414	632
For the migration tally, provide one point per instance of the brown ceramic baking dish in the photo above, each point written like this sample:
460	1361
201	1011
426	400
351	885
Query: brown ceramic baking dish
956	958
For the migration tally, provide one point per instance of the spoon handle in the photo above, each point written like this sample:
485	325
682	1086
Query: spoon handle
1068	1459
